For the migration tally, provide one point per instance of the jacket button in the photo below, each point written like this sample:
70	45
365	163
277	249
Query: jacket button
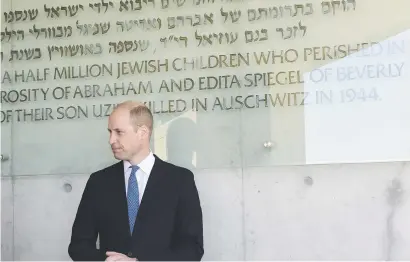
129	254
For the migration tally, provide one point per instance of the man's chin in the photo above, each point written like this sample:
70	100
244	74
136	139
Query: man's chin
118	155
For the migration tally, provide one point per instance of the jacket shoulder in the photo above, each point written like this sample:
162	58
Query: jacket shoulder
175	170
104	173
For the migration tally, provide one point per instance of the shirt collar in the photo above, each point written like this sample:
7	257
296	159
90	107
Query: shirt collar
145	165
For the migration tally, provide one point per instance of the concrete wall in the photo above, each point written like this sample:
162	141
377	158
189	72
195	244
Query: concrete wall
328	181
341	212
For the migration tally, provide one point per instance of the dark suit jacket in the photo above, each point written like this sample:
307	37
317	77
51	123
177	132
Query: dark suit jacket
168	225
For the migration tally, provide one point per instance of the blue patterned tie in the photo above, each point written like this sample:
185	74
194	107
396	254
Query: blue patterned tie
133	197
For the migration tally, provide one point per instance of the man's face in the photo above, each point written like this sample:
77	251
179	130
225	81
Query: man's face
124	140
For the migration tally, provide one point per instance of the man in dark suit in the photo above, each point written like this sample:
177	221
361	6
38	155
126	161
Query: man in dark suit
141	208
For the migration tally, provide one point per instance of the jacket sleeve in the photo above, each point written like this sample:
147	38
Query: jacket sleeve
188	244
84	231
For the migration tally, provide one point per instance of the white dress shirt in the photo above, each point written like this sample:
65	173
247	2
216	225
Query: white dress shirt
142	173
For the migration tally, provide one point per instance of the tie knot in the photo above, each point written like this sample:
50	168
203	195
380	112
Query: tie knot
134	169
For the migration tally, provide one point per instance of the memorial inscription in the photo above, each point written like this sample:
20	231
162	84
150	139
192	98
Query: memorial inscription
207	76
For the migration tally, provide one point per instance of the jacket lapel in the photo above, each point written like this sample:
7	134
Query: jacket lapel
151	191
121	197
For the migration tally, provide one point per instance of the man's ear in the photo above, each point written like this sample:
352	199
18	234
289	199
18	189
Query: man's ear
144	130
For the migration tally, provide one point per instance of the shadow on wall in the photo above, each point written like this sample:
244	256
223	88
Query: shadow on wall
180	142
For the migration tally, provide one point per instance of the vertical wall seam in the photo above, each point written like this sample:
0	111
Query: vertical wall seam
244	251
11	169
394	197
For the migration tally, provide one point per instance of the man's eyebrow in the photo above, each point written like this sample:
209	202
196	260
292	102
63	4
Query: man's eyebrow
114	129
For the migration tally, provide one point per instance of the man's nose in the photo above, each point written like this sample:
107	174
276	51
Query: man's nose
112	139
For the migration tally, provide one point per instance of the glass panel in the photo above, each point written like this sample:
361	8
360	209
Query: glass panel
231	83
335	87
361	112
5	114
6	149
65	78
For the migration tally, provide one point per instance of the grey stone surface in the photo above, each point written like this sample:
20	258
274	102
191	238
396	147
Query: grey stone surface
44	209
7	230
325	212
287	213
221	197
398	229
